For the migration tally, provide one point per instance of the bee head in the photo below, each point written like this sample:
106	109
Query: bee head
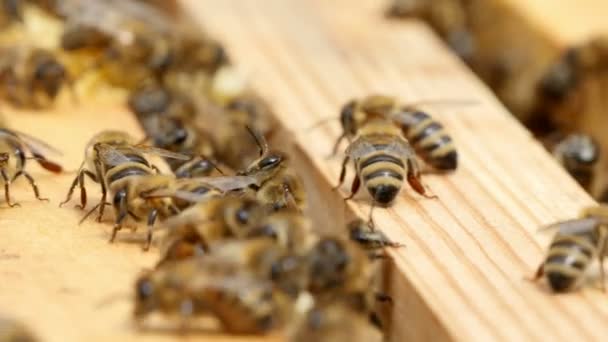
145	296
49	74
240	213
328	262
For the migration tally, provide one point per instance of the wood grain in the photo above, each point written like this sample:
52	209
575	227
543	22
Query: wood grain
461	276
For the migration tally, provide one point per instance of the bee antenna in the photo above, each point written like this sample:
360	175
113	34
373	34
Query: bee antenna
259	140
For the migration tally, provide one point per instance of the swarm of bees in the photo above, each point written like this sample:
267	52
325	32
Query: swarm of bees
230	212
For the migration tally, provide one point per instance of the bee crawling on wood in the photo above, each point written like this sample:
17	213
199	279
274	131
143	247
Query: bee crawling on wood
370	239
578	154
31	77
574	247
231	284
13	148
278	185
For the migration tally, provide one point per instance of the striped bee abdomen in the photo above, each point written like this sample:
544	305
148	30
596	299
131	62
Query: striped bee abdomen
431	141
567	261
382	174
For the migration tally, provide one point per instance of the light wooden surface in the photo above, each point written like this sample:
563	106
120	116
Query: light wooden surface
462	273
56	274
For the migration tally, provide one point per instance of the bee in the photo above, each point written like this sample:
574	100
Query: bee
90	166
241	301
575	245
427	136
31	77
127	176
333	322
368	238
13	331
165	115
578	154
195	228
278	185
382	158
13	156
341	271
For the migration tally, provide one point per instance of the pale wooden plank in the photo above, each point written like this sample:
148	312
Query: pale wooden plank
461	275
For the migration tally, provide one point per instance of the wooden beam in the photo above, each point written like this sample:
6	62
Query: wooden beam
461	276
514	45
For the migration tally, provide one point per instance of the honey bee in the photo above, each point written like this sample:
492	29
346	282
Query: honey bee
31	77
13	148
91	166
128	176
335	322
382	156
241	301
341	271
278	185
165	115
578	154
574	247
195	228
13	331
427	136
368	238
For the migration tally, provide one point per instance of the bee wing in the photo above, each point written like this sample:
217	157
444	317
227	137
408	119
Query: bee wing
403	117
574	226
34	144
114	17
229	183
110	155
179	194
359	147
158	152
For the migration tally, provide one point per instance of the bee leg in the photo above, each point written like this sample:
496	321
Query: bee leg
334	149
375	320
413	178
32	182
155	168
151	219
71	190
342	172
7	191
104	191
120	200
539	273
354	188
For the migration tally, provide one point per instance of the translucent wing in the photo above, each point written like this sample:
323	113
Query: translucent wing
228	183
361	147
574	226
35	145
159	152
111	156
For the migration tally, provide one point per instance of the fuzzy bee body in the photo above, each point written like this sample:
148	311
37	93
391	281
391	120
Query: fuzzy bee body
575	246
13	148
383	160
429	139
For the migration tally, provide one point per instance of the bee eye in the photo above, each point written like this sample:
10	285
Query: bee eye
242	216
270	162
144	289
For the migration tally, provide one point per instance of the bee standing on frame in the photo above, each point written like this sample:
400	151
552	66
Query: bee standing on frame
13	146
576	244
383	160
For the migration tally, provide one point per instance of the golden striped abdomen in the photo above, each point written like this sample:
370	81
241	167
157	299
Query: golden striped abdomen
568	258
382	175
431	141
